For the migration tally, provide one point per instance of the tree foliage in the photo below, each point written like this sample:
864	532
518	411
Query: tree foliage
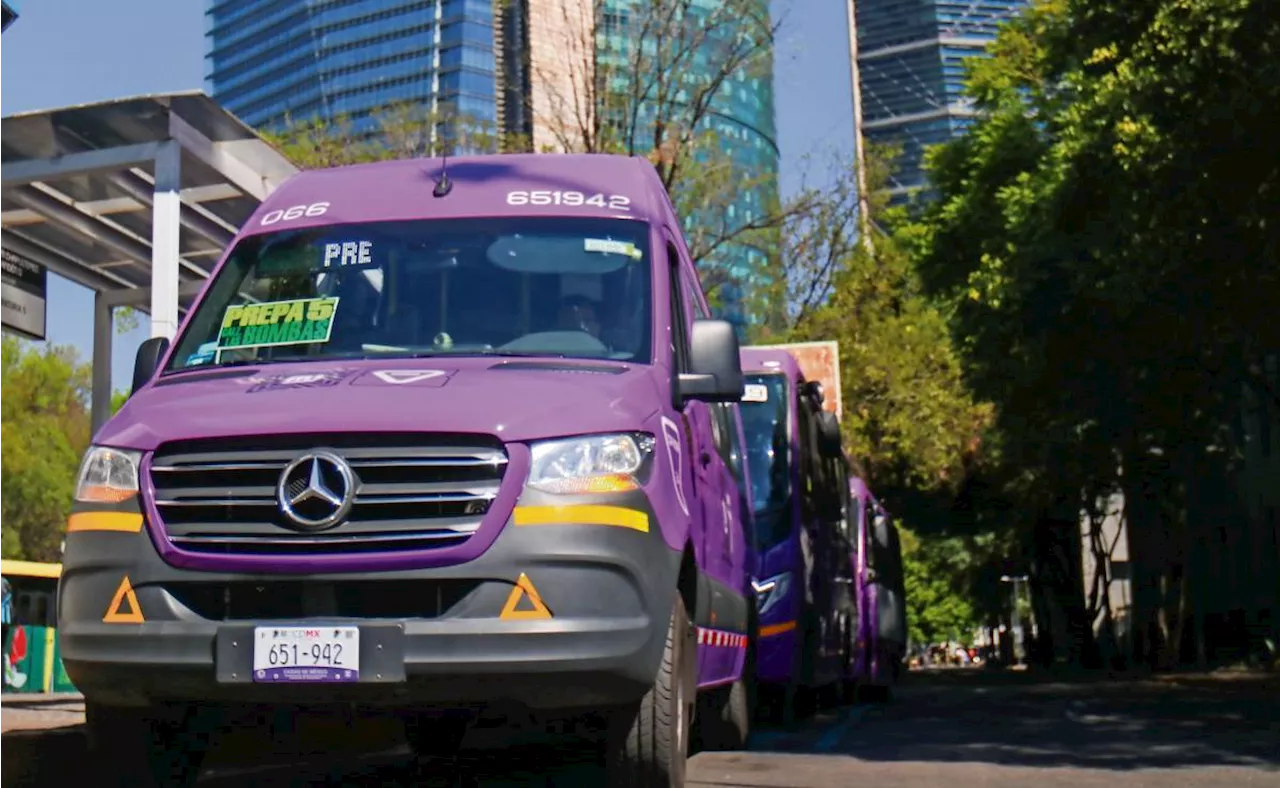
45	431
655	78
1105	238
939	606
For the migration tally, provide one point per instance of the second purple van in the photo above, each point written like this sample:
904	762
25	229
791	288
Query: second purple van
448	443
804	582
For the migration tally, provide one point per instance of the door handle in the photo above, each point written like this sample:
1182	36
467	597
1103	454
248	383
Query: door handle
704	458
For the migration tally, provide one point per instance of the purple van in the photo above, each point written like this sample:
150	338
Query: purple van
806	608
450	439
882	614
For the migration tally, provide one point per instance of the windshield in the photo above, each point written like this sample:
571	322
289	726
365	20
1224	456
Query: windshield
576	288
764	420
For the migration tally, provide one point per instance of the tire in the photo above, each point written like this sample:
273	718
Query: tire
153	747
648	743
848	684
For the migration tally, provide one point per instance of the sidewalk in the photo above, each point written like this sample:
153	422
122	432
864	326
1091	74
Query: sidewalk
41	711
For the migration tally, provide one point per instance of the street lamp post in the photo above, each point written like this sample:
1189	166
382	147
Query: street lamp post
1019	647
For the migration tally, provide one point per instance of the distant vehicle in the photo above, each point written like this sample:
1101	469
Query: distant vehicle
807	610
882	613
448	443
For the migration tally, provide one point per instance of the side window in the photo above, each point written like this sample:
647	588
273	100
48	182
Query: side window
722	425
679	314
693	289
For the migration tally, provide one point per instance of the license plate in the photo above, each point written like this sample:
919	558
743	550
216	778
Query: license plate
302	654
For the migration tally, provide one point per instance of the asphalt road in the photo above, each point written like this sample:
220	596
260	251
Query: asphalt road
959	729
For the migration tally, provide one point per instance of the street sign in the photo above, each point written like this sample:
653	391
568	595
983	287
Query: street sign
23	290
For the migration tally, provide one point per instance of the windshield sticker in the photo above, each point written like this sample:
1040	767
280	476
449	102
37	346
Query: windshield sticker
203	355
311	380
347	253
675	459
305	320
612	247
755	392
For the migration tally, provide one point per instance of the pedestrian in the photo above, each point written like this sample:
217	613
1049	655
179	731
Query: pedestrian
5	624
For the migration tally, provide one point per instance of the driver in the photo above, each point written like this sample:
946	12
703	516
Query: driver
578	313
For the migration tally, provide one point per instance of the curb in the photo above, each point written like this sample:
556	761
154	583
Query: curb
39	698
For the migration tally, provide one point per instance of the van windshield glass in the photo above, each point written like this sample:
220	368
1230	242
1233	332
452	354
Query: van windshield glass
573	288
764	421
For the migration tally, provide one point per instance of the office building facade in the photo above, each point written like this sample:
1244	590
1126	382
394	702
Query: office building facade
274	60
911	60
517	66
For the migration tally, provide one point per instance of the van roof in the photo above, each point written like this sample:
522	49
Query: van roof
402	189
760	359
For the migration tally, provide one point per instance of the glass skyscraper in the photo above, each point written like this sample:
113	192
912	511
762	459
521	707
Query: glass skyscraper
910	55
275	59
488	60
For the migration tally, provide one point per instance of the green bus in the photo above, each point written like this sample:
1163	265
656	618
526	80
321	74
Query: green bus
32	657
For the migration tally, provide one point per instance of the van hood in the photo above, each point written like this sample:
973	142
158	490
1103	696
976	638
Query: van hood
515	399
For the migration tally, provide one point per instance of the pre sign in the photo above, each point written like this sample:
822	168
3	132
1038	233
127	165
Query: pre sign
306	654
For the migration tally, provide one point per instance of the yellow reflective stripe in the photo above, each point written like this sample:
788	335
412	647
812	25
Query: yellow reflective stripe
582	514
121	522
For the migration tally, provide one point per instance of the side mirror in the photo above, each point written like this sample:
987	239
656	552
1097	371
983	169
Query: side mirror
147	361
829	434
813	388
717	368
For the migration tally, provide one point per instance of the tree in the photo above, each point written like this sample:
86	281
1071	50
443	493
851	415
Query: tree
938	605
45	432
399	130
658	79
1103	237
911	423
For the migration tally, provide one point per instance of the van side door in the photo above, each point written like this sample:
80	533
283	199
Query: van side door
702	494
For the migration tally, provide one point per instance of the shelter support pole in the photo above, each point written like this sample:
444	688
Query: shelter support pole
165	228
102	335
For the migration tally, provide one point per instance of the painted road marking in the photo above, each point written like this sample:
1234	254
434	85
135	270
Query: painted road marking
830	739
836	733
524	590
124	594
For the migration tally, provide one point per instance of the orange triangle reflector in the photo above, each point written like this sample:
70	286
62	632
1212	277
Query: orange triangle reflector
124	596
524	590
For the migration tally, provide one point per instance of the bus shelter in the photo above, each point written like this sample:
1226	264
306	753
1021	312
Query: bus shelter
134	198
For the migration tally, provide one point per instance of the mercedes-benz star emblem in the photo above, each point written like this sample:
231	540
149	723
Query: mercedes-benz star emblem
316	490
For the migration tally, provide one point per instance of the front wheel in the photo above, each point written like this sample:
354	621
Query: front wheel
157	747
649	744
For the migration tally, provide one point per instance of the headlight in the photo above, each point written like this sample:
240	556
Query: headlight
771	591
597	463
108	475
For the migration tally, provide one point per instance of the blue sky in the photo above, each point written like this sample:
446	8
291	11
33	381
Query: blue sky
63	52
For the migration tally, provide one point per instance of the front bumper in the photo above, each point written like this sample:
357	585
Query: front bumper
429	637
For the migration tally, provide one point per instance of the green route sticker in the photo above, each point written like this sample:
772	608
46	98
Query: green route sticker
304	320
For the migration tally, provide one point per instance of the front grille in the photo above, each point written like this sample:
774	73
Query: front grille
411	492
297	599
